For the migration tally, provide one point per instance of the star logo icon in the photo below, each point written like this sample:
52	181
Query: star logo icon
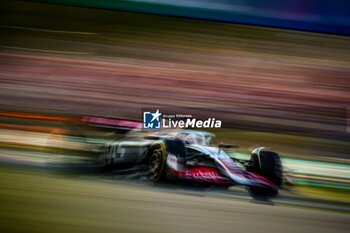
156	115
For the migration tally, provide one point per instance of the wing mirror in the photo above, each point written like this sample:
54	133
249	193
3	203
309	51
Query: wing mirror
226	146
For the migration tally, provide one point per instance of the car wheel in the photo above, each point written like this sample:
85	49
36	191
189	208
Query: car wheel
267	164
156	163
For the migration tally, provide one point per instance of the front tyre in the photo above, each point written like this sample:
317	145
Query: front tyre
267	164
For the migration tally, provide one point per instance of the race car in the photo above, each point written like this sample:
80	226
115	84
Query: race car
188	155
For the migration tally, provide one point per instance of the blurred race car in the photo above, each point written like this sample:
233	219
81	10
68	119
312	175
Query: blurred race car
188	155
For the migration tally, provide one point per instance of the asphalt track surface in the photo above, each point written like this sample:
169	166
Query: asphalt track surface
33	201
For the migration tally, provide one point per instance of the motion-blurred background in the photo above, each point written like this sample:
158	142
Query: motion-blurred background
275	72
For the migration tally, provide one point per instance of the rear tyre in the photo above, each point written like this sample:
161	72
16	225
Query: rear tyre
267	164
156	163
